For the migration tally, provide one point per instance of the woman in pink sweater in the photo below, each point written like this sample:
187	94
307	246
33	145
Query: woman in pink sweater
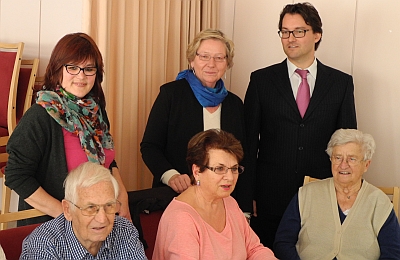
205	222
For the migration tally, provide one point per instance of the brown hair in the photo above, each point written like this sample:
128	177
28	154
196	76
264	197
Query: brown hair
309	14
201	143
75	48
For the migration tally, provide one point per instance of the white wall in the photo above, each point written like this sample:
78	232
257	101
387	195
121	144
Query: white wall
360	38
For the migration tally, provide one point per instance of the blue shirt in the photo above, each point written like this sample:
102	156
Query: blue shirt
55	239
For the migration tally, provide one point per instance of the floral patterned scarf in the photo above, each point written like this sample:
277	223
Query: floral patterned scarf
81	117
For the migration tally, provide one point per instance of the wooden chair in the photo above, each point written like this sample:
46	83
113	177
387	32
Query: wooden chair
10	62
392	192
27	76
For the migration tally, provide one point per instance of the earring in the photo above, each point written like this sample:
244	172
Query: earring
198	182
194	72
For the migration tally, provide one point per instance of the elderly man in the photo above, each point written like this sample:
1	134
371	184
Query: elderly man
88	228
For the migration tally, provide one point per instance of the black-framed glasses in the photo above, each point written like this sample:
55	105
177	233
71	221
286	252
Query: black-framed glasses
222	169
75	70
207	57
296	33
351	161
91	210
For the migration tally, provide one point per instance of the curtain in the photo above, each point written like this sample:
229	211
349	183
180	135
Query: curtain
143	43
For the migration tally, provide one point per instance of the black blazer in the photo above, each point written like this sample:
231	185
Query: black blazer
176	116
282	146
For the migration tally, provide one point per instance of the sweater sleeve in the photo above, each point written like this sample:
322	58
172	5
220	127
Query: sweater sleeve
26	148
154	140
389	238
288	231
254	249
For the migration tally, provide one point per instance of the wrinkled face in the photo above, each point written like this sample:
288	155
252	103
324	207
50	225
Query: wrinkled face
216	186
91	231
78	85
350	166
209	72
299	50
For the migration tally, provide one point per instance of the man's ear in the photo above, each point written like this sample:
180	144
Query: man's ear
66	205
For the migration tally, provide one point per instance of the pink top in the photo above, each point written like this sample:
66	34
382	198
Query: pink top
183	234
75	155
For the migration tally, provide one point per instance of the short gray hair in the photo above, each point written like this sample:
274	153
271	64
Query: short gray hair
86	175
345	136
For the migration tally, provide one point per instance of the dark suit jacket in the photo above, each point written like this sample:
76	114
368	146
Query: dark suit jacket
282	146
176	116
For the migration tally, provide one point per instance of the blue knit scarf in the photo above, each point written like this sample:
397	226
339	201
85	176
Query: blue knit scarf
207	97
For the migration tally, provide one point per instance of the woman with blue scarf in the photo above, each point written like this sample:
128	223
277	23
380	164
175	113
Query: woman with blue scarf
196	101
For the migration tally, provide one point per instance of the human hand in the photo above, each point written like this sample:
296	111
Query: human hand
254	208
179	182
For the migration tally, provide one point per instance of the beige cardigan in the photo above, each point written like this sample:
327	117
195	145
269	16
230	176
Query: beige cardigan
322	236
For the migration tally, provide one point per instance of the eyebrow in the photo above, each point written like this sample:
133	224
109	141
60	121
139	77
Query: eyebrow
221	164
349	155
210	53
297	28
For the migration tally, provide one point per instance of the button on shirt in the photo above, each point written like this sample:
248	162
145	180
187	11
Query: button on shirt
55	239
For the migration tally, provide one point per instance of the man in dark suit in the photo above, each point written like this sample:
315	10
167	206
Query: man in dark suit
286	143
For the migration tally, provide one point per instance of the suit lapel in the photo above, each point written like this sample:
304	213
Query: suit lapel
322	86
282	82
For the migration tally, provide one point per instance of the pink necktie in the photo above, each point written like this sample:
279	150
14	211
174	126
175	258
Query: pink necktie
303	93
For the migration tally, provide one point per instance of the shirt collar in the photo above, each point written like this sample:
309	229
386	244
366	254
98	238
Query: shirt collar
312	70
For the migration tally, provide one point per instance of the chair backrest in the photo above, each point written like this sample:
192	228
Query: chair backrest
10	62
11	240
392	192
26	82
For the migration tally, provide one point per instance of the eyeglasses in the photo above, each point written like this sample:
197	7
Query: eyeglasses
91	210
207	57
75	70
221	170
351	161
296	33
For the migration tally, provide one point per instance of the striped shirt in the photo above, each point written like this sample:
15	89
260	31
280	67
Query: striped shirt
55	239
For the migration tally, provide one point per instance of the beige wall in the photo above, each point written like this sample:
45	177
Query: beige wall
39	24
360	38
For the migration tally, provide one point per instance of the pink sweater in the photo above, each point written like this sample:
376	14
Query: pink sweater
183	234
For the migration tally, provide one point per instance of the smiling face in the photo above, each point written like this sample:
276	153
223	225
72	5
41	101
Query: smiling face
91	231
209	72
300	51
78	85
347	174
216	186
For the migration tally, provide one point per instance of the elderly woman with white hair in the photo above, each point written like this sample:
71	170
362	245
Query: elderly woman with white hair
343	217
